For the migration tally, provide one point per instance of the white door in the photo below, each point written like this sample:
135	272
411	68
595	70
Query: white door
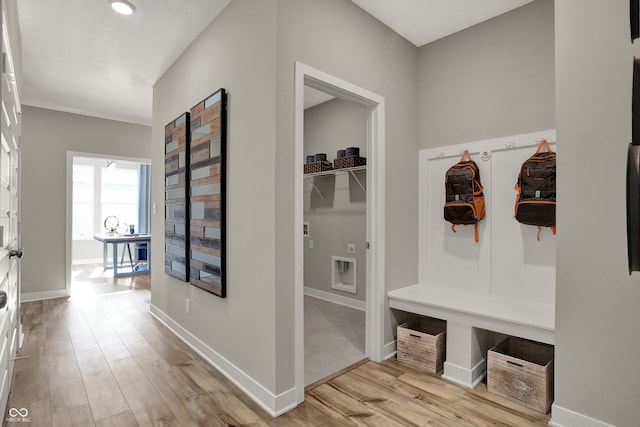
10	330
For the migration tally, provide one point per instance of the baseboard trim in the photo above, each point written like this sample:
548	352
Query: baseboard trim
389	350
469	378
275	405
563	417
337	299
39	296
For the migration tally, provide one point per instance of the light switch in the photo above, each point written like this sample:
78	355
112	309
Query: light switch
310	244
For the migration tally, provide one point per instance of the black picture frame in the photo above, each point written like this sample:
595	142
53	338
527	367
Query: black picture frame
634	18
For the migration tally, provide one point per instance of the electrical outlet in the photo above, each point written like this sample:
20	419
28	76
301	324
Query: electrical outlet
188	306
310	244
351	248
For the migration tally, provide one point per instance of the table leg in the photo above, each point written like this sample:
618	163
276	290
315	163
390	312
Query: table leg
115	259
130	258
105	251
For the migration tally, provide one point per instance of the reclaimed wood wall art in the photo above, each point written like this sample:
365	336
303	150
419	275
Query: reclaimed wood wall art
207	194
176	168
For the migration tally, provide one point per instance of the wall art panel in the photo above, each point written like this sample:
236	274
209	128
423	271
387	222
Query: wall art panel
207	194
176	209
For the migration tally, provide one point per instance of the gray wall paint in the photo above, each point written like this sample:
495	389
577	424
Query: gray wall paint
47	135
494	79
597	302
339	217
236	52
337	37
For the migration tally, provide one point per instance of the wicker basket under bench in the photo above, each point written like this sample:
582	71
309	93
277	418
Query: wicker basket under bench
522	371
421	343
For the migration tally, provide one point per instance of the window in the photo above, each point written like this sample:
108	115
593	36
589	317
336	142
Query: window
82	201
119	195
99	192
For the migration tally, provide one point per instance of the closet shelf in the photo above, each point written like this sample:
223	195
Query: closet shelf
309	176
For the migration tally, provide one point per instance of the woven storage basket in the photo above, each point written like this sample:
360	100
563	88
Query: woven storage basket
349	162
317	167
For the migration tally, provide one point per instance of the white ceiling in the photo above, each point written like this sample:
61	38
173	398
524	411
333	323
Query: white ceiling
424	21
80	56
313	97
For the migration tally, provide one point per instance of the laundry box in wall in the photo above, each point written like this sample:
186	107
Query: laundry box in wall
522	371
421	343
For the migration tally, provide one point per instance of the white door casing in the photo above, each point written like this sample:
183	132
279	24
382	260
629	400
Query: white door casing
375	304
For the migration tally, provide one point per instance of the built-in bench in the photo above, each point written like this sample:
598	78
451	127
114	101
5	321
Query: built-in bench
508	316
503	282
471	320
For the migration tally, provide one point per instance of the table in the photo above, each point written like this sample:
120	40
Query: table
126	240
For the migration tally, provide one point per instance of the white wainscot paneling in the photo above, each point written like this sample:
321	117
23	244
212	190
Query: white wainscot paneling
506	281
521	266
453	259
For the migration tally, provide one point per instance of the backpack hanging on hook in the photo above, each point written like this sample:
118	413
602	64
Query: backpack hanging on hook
464	202
536	187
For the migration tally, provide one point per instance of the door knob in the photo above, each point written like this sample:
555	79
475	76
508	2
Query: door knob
16	252
3	299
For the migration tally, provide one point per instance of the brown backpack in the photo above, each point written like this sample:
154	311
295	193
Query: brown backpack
464	203
536	187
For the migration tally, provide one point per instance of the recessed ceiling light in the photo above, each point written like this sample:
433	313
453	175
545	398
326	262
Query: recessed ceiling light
123	7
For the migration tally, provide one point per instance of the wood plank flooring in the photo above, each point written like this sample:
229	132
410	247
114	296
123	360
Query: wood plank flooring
103	360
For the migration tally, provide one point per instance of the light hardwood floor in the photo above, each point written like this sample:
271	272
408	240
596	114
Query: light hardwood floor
102	360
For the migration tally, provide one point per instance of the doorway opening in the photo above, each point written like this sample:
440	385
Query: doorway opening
373	245
106	194
335	218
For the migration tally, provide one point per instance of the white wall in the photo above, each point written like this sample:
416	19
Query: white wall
597	302
338	217
47	135
337	37
494	79
235	52
245	52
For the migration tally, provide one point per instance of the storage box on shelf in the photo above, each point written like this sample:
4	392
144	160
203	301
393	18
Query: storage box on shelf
522	371
315	167
421	343
349	162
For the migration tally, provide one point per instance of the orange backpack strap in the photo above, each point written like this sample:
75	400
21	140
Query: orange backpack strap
465	154
453	228
553	228
475	226
544	144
